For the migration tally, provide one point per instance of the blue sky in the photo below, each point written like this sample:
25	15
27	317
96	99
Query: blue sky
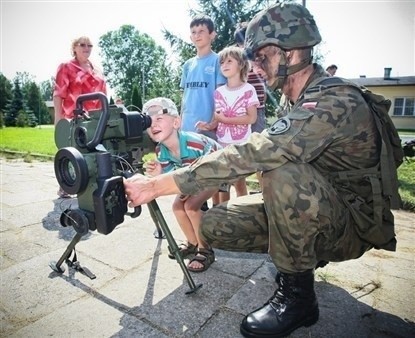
361	37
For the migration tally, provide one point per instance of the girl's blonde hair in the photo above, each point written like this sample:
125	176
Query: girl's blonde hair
75	42
236	53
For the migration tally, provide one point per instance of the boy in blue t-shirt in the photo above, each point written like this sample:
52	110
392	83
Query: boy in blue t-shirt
201	76
176	149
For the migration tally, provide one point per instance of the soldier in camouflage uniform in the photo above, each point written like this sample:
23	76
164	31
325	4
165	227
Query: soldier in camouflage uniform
303	215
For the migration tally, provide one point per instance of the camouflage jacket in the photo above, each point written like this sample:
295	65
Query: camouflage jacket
333	130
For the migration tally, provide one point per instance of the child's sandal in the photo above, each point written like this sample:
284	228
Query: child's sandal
205	257
185	249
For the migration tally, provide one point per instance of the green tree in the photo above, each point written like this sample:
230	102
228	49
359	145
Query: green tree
15	106
46	90
6	94
166	84
25	80
29	89
129	58
36	104
182	49
22	120
136	100
26	119
226	14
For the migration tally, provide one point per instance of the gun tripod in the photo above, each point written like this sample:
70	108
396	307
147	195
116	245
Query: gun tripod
162	231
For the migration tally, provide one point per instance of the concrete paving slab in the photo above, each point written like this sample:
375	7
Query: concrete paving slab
92	317
31	290
140	292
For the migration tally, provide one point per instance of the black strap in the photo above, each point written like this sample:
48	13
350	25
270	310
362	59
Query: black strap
77	266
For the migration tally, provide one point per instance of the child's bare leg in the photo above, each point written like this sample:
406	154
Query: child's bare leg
216	198
194	214
224	196
240	187
184	222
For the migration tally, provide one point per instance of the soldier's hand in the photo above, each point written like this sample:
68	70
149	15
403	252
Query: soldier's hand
139	190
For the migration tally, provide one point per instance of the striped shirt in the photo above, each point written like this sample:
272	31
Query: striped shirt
259	85
192	146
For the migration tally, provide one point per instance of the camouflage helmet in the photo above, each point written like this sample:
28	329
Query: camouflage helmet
289	26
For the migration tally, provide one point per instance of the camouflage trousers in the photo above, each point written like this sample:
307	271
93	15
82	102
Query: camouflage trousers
299	219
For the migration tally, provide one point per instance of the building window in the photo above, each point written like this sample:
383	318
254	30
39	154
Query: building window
404	106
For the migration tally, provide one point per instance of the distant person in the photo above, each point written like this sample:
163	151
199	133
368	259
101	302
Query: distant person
259	84
201	76
235	105
332	69
176	149
73	78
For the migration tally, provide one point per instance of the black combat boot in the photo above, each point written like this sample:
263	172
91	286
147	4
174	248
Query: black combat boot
293	305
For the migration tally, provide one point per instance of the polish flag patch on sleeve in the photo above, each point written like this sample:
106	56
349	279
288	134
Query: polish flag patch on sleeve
309	105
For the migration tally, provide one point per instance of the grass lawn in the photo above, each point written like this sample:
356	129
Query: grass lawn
31	141
406	175
39	141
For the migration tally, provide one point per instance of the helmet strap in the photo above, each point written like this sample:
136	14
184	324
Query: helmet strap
284	70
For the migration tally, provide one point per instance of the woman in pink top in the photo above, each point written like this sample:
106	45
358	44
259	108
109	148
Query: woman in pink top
73	78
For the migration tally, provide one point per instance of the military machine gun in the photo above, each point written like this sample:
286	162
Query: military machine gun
96	151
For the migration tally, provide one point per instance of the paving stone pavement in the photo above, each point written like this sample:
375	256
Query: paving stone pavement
140	292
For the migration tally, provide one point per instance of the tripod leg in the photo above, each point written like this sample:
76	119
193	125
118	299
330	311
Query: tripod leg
158	233
154	208
56	266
